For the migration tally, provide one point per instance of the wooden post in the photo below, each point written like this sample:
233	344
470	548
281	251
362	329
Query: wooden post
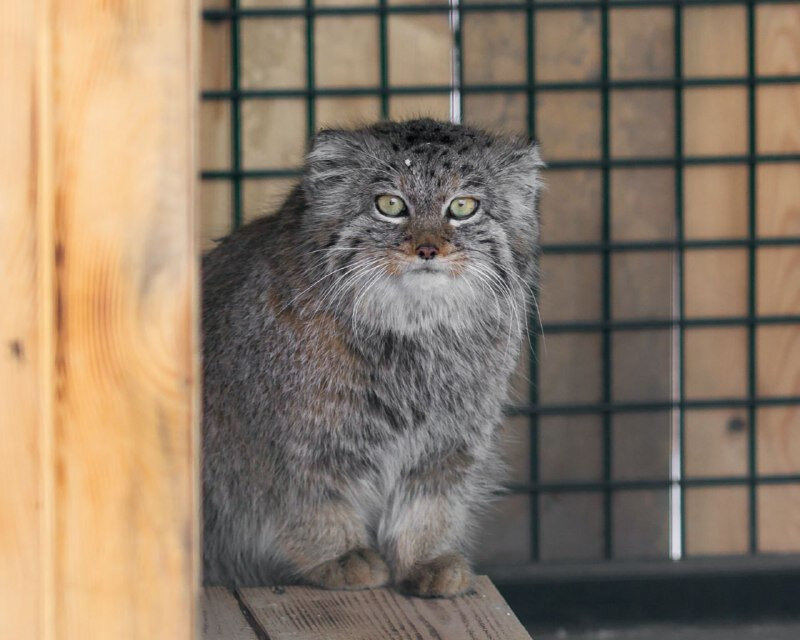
98	326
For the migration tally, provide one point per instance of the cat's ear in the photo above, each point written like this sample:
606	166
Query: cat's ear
522	162
329	160
525	155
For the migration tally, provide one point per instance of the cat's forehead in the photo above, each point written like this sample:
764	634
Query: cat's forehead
428	154
430	139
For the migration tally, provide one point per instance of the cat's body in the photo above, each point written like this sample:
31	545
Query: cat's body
353	381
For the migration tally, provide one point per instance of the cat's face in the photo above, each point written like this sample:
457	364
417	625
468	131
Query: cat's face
424	220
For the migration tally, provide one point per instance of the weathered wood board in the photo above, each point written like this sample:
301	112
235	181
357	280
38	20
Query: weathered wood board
98	328
222	617
305	613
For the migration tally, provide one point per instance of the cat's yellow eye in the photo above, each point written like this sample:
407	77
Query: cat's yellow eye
461	208
391	206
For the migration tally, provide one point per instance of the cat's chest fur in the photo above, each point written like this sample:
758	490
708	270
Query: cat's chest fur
431	391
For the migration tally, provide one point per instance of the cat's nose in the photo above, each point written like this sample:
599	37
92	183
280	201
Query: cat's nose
427	251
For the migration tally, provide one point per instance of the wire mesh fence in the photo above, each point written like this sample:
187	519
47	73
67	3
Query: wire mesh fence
671	298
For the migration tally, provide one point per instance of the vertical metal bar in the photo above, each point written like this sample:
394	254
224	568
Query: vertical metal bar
533	389
311	115
236	117
608	525
455	61
751	299
457	105
677	453
383	43
530	35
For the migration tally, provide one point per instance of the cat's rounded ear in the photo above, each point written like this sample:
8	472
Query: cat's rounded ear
328	161
523	162
526	155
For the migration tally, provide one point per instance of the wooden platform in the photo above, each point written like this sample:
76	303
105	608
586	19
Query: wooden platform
304	613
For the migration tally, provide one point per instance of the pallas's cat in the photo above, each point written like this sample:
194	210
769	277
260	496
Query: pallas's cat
358	345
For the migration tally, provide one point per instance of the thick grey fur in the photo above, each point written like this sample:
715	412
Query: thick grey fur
352	398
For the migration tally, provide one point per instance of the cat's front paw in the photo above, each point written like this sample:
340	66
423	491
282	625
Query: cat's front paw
442	577
360	568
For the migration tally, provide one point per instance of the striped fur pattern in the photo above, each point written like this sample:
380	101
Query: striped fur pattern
353	390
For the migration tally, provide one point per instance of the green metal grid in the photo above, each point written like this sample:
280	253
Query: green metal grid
606	248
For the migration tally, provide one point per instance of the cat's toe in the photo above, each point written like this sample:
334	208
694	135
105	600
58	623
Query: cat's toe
360	568
443	577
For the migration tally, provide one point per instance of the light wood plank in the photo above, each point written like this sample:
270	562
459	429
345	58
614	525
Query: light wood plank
709	50
716	282
715	121
567	45
568	126
304	613
642	42
716	520
346	51
716	442
494	48
125	324
778	276
779	518
24	550
222	617
273	53
419	49
215	127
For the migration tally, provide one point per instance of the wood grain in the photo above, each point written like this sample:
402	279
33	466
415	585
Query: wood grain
346	51
715	201
25	195
419	49
494	59
99	145
568	45
716	520
778	276
643	204
717	283
716	442
642	43
222	618
709	50
304	613
215	128
715	121
273	53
